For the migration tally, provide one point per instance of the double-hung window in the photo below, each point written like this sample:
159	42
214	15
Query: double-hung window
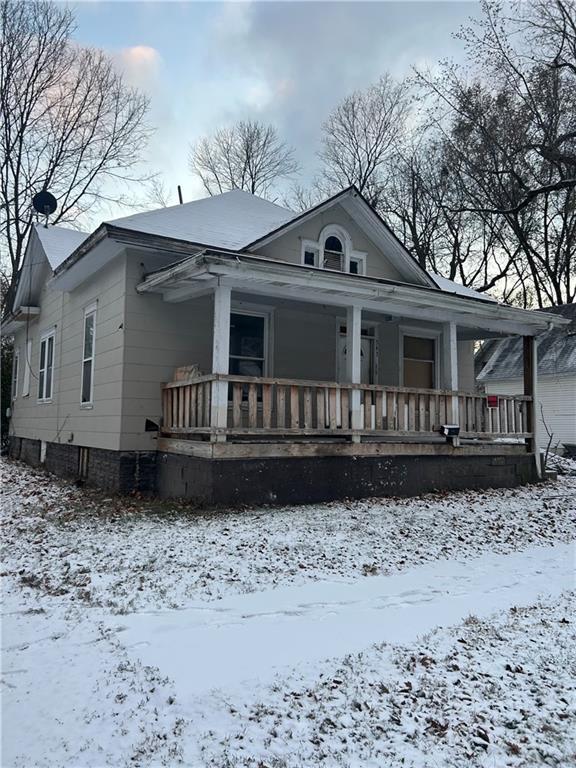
46	367
15	368
419	362
87	388
247	344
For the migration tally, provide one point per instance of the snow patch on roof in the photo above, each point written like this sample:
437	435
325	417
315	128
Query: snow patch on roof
460	290
232	220
58	242
503	358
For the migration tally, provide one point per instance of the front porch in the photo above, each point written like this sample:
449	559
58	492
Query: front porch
329	417
391	365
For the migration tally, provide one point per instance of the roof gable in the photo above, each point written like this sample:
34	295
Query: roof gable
230	221
58	242
47	248
372	224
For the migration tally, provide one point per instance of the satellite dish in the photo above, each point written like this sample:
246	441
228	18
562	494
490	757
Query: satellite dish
44	202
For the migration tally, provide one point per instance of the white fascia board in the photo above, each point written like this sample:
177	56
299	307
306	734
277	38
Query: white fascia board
478	310
384	306
189	268
91	262
315	286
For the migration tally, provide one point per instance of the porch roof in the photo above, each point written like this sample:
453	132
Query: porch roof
202	272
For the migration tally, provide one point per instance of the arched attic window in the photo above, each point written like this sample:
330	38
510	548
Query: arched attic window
333	250
333	253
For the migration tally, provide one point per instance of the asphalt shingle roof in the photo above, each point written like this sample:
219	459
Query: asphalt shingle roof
231	221
503	358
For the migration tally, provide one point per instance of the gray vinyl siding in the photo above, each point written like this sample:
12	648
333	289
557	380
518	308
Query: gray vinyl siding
288	247
557	396
63	419
159	337
140	339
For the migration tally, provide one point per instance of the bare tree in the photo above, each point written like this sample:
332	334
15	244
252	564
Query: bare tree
419	200
487	152
360	135
300	197
69	122
158	195
524	71
249	155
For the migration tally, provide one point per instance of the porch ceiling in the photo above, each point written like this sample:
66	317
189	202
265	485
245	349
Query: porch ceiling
257	276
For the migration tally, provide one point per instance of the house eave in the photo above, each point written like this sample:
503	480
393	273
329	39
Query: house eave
19	318
251	273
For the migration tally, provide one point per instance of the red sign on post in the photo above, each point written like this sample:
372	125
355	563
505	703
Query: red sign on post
492	401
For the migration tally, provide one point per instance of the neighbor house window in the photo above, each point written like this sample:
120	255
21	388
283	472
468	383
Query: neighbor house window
419	362
88	356
46	367
247	344
15	368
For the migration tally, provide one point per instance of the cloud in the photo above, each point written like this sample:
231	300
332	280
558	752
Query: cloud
141	65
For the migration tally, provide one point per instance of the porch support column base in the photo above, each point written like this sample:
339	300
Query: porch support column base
450	367
530	350
220	358
353	363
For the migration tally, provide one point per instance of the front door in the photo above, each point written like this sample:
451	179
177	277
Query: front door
366	355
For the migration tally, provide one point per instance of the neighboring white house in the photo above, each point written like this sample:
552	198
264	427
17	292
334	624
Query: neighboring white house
231	349
500	369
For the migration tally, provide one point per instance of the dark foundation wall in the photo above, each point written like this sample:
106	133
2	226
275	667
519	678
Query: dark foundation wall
116	471
230	482
307	480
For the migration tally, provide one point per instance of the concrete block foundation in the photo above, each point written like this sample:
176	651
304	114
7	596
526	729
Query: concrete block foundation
291	480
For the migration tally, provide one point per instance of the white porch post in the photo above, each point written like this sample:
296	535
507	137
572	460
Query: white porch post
353	362
220	357
450	366
531	388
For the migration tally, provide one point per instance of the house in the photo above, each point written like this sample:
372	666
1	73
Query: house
499	368
231	350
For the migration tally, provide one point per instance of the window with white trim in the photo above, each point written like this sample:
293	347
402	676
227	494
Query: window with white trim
87	389
333	251
357	264
333	254
46	367
248	342
419	362
310	258
15	369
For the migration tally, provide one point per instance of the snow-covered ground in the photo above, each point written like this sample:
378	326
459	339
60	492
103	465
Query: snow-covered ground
436	630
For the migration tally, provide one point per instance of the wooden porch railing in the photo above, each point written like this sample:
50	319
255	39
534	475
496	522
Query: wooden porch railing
286	406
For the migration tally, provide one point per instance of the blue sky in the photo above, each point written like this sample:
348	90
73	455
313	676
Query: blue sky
206	64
